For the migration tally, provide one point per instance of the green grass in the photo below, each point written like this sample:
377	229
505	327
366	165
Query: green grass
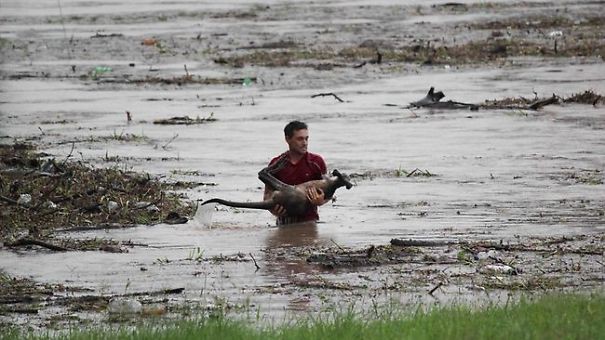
550	317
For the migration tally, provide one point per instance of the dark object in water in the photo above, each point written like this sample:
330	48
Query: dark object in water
292	197
184	120
432	100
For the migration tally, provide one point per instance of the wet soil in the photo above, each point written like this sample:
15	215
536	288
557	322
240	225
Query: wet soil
164	104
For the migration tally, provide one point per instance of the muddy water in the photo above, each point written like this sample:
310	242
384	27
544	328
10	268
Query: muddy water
497	174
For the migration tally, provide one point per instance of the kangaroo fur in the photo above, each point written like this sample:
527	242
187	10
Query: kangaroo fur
292	197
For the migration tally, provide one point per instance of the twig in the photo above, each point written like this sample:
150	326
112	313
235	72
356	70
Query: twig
412	172
255	264
328	94
339	247
360	65
9	200
73	145
435	288
170	141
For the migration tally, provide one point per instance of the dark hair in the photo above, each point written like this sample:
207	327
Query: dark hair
294	126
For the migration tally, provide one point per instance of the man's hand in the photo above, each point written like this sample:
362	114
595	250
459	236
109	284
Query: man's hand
278	211
316	196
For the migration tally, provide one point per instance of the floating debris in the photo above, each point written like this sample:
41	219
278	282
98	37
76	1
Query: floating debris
586	97
184	120
39	195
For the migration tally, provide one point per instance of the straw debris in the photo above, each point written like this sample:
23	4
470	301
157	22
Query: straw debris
39	194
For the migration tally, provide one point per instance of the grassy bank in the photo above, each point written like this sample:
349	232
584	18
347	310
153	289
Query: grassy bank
550	317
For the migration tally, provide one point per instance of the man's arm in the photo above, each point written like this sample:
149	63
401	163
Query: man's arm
278	211
316	196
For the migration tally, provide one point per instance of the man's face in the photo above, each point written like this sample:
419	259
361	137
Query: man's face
299	141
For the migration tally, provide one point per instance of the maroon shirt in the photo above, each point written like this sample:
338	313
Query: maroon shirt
310	167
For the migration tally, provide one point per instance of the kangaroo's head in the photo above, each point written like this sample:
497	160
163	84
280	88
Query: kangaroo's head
342	180
339	180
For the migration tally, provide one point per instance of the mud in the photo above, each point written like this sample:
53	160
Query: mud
502	201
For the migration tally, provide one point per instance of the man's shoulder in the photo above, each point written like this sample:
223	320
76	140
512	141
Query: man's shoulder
278	157
314	157
317	161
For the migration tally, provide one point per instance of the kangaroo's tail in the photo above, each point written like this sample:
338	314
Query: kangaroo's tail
266	205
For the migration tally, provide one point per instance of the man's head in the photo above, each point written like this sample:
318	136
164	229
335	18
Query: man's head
297	137
293	126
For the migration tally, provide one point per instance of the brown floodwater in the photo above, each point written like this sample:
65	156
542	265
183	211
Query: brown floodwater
497	175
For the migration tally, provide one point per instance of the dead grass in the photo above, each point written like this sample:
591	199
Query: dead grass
39	195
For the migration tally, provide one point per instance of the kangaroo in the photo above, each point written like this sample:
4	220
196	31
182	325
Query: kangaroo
292	197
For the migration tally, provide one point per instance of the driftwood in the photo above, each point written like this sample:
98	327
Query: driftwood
158	292
106	298
420	243
433	100
30	241
22	310
186	79
100	226
541	103
328	94
7	300
101	35
184	120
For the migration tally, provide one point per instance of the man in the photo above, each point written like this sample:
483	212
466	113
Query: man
299	166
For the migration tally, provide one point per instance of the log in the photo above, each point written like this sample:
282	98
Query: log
31	241
420	243
541	103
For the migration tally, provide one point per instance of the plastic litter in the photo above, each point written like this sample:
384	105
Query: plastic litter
112	206
24	199
124	306
499	269
99	70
